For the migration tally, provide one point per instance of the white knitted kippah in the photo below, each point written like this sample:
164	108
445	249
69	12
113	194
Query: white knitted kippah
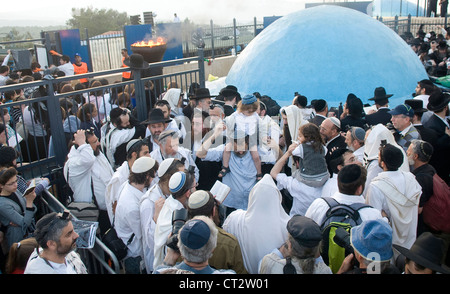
143	164
164	166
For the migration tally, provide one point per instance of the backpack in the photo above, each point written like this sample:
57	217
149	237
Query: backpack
337	216
436	211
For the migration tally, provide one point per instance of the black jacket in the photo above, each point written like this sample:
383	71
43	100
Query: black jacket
380	117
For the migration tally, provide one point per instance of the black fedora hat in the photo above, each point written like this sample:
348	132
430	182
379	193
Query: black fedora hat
156	116
416	105
201	93
229	91
438	100
136	61
428	251
380	94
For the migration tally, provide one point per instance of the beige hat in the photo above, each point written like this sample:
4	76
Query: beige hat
143	164
198	199
164	166
335	121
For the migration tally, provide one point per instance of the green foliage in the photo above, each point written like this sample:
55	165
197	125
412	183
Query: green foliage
97	21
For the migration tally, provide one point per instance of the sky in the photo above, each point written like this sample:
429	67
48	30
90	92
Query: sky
46	12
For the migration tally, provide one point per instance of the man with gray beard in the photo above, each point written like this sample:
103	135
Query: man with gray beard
168	143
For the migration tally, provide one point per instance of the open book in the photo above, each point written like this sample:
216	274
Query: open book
30	187
220	191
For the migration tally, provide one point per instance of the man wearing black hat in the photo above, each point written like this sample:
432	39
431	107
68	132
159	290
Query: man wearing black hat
425	255
199	101
230	97
381	102
156	124
438	103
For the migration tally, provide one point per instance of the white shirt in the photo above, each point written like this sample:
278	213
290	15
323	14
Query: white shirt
112	192
148	225
67	68
164	228
127	220
81	166
38	265
319	208
302	194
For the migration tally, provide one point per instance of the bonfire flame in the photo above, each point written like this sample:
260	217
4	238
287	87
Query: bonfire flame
151	43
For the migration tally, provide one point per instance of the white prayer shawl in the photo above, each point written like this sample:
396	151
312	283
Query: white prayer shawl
148	225
173	96
295	120
86	172
113	139
260	228
164	228
112	192
373	142
398	194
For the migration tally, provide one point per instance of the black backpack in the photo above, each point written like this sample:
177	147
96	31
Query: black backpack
337	216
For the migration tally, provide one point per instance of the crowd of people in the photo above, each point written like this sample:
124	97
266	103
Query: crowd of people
289	171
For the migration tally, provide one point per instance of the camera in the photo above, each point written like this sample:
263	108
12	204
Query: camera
342	239
179	218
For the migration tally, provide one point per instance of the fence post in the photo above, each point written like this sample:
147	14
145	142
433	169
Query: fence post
396	24
234	35
57	130
212	39
201	67
408	29
139	91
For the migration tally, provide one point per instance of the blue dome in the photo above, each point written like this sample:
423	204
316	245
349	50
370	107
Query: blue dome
327	52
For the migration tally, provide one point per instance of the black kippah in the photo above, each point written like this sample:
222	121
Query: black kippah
349	174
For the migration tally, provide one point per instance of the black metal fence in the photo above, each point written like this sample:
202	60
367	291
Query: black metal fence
40	124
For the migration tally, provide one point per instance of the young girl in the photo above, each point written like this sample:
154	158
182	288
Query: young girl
246	120
313	169
17	211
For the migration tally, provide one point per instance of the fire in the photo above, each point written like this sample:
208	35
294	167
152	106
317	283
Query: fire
151	43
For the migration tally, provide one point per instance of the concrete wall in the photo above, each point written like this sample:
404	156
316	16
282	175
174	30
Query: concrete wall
219	68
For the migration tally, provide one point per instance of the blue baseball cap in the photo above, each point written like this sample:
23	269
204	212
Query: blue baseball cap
404	109
373	236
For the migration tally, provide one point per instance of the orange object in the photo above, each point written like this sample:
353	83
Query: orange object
125	74
81	69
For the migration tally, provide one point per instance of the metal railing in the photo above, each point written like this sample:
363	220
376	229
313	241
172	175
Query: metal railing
44	145
99	259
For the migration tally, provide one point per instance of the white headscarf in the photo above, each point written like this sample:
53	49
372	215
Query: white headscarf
173	96
262	227
372	145
294	119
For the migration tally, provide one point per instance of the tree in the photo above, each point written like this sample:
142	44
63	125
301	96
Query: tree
97	21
